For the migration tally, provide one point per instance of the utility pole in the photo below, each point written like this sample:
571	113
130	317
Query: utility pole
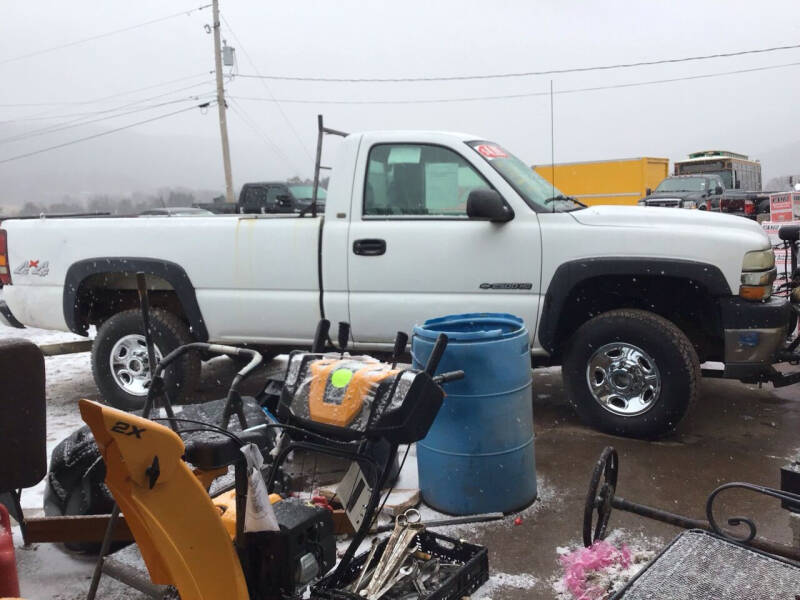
223	124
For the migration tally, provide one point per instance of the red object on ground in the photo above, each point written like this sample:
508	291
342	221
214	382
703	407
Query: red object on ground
518	521
9	583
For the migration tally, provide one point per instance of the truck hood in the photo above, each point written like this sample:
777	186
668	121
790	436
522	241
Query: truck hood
654	218
678	195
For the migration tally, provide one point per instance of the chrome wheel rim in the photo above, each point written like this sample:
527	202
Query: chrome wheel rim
623	379
130	365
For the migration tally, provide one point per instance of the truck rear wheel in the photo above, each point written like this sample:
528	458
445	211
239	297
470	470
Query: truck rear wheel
631	372
120	363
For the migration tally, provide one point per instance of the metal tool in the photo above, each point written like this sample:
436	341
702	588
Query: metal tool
397	550
602	499
479	518
366	568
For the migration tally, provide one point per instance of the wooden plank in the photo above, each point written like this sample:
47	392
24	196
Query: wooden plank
66	348
90	528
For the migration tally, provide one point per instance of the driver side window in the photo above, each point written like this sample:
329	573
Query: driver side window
418	180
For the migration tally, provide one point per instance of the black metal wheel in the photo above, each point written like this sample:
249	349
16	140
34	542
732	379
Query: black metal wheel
602	487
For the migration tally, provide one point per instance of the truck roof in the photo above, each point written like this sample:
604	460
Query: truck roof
607	160
739	157
717	153
419	135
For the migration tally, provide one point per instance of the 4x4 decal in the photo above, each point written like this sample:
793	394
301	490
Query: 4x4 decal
33	267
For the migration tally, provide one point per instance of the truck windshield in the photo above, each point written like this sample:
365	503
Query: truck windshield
682	184
307	191
537	192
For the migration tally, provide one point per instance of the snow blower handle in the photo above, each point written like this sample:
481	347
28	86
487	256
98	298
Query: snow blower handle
144	305
448	377
321	336
344	335
400	343
436	354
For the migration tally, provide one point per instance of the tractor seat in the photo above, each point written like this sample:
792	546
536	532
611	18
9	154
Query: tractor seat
789	233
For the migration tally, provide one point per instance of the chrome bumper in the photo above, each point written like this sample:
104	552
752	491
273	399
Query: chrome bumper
753	346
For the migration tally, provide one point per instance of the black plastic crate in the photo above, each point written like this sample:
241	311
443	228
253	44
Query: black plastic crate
472	575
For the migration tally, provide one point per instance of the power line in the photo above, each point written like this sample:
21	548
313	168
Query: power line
81	116
266	88
104	133
240	112
102	98
521	95
104	35
82	122
520	74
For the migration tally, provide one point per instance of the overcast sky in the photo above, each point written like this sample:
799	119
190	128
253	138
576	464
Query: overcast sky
754	113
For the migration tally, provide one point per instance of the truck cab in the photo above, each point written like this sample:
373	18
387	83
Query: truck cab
701	192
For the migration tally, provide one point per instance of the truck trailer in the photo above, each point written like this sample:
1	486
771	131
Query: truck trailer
616	181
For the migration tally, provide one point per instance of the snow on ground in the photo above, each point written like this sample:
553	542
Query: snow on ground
502	582
46	572
642	550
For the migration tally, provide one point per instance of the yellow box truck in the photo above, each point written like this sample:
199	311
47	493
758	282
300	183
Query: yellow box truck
619	181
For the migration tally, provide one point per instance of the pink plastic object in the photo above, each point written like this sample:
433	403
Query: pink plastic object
580	564
9	583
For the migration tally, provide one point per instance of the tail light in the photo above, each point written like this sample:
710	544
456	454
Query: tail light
749	207
5	272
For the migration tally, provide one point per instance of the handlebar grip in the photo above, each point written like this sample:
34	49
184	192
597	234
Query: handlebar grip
436	354
255	360
448	377
321	336
229	350
400	343
344	335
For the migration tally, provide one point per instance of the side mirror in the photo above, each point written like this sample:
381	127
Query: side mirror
647	191
489	205
718	191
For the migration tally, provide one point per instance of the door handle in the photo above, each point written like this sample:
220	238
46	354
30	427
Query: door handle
369	247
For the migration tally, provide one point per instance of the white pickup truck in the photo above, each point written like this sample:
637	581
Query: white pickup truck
630	301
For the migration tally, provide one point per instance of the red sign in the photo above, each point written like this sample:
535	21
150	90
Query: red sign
780	207
491	151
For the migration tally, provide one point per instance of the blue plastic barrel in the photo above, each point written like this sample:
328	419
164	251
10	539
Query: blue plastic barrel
479	455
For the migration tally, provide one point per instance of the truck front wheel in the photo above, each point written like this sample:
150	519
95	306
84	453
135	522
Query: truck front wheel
631	372
120	363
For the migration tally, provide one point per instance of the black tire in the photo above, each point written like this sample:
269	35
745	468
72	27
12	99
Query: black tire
673	354
169	332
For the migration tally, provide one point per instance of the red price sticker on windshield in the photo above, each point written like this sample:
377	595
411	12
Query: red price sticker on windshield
491	151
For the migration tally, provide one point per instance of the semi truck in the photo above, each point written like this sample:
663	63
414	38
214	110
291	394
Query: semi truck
618	181
629	301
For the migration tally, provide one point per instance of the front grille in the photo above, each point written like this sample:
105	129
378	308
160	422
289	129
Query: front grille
664	203
699	565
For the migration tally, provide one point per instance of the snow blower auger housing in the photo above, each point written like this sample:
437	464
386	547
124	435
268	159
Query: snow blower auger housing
180	531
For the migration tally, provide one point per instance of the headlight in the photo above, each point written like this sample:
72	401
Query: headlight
758	275
688	204
759	260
